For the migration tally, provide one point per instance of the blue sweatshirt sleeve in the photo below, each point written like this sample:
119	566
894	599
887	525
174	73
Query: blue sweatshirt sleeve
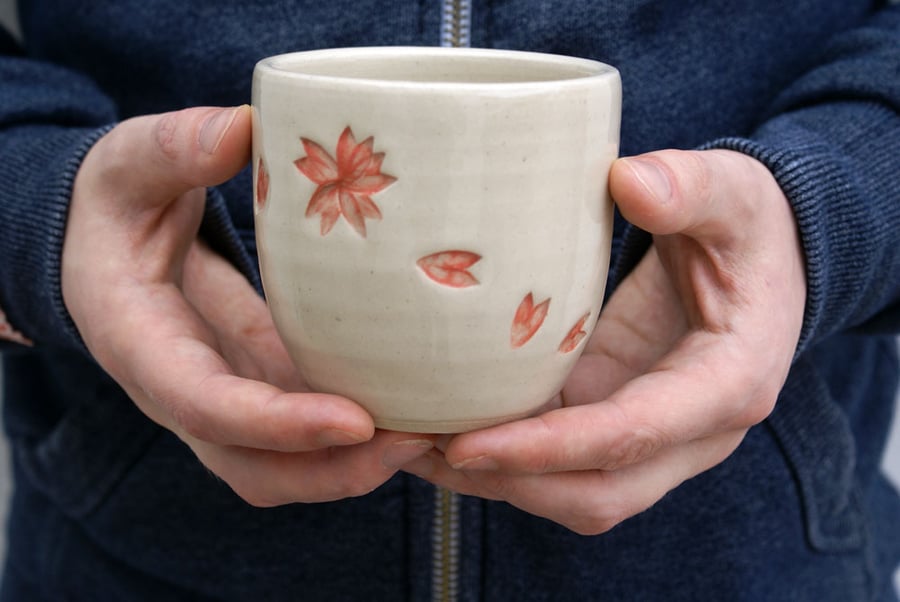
49	118
832	141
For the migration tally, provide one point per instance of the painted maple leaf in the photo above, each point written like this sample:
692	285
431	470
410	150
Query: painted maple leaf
345	184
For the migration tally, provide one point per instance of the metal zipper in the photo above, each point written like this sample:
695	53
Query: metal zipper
456	28
456	23
445	546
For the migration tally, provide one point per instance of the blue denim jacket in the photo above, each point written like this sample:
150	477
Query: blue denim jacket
108	506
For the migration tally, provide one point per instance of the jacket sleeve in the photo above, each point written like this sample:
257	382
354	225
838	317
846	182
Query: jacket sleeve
49	118
832	141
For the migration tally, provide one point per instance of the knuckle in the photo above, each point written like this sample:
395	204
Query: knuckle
359	489
497	487
756	409
190	421
634	445
596	519
753	398
166	134
256	498
701	175
345	488
592	526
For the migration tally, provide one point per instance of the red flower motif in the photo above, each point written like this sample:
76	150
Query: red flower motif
262	183
8	333
345	184
450	268
527	320
575	335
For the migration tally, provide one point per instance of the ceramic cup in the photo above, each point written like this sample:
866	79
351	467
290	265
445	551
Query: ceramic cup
433	225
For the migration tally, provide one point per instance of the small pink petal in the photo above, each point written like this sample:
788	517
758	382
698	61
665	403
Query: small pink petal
325	197
374	165
262	183
367	206
351	212
357	163
370	184
528	320
576	334
346	149
317	165
450	268
329	219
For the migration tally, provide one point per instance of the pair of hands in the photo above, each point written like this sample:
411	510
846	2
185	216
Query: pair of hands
690	351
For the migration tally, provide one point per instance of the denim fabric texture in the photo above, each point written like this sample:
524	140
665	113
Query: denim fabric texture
109	506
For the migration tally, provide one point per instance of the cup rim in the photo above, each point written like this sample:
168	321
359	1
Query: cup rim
313	65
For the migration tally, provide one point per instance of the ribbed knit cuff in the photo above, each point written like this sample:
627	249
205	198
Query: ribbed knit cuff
36	179
845	200
844	189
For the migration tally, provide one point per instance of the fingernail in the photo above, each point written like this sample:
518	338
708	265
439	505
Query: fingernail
477	463
401	452
335	437
214	128
652	176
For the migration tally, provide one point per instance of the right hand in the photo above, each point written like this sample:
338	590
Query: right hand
184	333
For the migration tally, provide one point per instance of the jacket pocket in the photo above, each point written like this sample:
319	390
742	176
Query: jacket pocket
818	442
73	431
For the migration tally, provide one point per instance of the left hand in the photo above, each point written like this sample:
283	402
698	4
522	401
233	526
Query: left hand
691	351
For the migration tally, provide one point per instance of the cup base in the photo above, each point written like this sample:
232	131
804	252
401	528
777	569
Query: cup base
445	426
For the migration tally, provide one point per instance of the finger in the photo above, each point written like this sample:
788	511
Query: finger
176	377
701	194
725	231
239	318
138	199
639	324
588	502
265	478
703	387
149	161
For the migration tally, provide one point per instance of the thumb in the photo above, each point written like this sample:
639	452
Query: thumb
147	162
704	194
138	199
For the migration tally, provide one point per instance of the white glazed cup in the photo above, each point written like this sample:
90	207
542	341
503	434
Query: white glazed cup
434	225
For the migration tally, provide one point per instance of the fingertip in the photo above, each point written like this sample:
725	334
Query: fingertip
649	175
643	191
337	420
215	127
225	135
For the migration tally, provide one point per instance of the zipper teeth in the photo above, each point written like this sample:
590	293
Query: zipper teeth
456	27
456	23
445	546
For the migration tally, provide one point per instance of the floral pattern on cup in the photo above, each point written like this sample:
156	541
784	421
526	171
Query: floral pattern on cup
262	183
346	183
528	320
576	334
450	268
345	186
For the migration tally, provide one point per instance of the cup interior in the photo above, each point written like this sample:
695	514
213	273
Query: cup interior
435	66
